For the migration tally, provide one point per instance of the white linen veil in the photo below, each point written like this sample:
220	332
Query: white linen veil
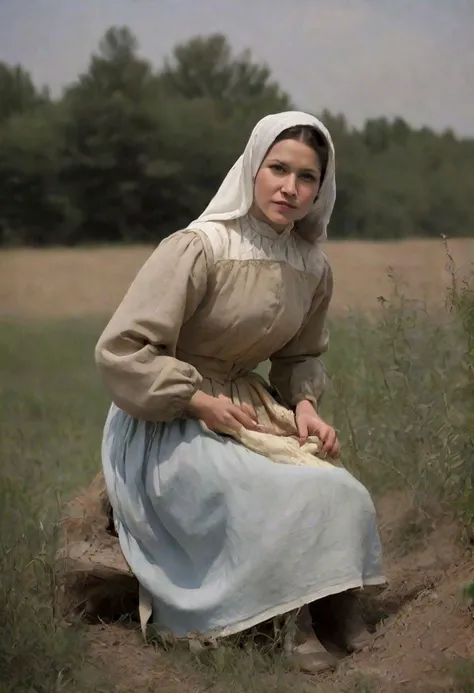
235	195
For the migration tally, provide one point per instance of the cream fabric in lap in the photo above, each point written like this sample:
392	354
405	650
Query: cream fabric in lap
283	449
280	444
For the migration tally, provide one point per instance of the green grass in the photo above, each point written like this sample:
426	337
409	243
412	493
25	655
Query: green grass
401	397
51	411
463	675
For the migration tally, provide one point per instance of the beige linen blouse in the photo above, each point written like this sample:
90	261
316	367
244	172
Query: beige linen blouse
210	305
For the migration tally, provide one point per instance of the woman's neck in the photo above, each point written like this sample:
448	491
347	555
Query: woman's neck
257	214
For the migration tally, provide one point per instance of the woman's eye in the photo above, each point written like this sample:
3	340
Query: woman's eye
277	168
308	177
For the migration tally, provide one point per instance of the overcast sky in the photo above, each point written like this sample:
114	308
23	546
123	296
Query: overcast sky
364	58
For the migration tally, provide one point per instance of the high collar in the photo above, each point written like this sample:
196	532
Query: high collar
264	229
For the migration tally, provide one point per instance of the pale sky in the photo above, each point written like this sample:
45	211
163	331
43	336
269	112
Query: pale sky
364	58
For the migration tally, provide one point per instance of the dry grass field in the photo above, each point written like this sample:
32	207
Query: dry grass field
400	397
49	284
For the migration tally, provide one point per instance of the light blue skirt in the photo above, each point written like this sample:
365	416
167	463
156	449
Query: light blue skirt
221	537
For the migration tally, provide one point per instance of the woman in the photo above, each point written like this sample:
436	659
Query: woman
226	506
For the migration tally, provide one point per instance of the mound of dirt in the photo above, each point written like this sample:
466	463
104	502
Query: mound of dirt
96	581
422	629
425	631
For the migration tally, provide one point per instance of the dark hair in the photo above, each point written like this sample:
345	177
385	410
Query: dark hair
312	138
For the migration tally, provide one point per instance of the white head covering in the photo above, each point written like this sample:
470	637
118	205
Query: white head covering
235	195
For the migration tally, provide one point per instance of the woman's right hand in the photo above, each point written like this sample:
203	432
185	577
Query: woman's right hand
220	414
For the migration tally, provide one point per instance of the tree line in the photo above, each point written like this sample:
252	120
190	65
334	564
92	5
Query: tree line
130	153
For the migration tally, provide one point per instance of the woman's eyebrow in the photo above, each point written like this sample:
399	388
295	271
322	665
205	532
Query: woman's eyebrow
283	163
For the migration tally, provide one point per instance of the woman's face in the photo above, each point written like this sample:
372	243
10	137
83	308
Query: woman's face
286	184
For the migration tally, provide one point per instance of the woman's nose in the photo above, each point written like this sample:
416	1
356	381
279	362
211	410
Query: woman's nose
289	185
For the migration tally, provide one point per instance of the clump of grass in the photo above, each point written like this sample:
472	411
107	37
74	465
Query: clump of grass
461	301
462	673
245	663
245	666
248	671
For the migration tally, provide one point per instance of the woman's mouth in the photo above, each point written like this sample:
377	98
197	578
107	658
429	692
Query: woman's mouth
285	205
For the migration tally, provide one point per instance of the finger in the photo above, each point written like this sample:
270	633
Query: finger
329	443
261	428
336	450
250	411
224	422
329	439
244	419
302	431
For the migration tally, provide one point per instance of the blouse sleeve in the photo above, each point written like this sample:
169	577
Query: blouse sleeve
136	353
296	370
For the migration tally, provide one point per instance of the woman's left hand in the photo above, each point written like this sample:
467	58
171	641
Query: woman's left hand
310	424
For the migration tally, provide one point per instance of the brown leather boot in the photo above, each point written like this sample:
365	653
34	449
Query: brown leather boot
304	651
344	611
311	658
